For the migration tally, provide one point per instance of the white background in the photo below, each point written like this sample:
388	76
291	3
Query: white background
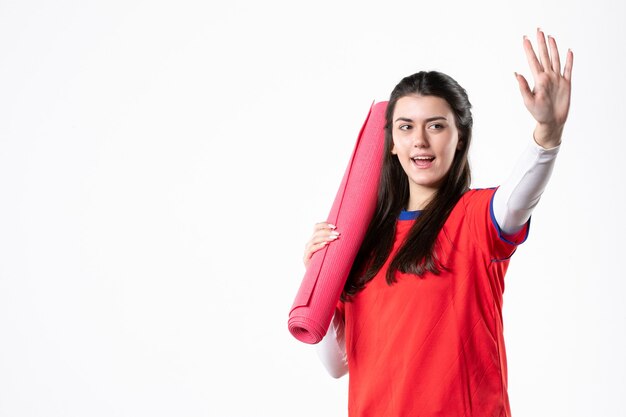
162	164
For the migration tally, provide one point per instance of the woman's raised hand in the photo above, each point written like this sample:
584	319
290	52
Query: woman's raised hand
323	234
548	102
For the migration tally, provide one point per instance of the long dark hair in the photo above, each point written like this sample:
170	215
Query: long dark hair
418	253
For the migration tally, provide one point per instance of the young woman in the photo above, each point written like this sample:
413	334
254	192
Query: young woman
419	324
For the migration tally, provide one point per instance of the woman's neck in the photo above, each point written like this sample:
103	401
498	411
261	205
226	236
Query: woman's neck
419	197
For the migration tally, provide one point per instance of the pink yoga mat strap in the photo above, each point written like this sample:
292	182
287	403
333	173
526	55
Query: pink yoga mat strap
351	212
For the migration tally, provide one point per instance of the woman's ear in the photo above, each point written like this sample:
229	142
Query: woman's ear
393	150
459	145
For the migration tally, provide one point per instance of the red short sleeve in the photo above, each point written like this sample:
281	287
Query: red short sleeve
482	223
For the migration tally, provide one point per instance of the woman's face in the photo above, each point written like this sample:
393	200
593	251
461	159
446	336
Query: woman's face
425	139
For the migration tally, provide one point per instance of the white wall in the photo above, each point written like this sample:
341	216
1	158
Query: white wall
162	164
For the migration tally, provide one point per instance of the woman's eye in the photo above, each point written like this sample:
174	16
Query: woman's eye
437	126
404	127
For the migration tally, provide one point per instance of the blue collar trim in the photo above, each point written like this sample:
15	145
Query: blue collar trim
409	215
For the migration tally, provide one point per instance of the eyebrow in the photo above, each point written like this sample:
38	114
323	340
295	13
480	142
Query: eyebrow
430	119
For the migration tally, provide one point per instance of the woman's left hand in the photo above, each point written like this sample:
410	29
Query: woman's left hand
548	102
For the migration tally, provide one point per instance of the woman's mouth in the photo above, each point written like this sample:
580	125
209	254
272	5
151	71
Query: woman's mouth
422	161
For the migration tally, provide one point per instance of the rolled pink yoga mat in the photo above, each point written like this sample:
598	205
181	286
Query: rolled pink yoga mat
351	212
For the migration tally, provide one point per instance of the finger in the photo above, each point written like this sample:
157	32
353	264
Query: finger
543	51
533	62
311	249
308	254
527	95
314	248
323	225
323	236
554	54
569	62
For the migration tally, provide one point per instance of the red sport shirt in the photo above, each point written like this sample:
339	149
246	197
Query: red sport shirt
433	346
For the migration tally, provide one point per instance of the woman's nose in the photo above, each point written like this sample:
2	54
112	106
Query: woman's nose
419	139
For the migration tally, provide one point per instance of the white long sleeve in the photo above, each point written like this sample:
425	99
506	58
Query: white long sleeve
332	348
513	204
516	198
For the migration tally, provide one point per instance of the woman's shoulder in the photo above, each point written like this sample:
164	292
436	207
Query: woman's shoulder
474	202
476	195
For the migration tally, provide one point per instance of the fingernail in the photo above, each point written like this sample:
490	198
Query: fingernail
333	233
332	226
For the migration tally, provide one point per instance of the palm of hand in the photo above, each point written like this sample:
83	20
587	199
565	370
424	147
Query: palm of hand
551	97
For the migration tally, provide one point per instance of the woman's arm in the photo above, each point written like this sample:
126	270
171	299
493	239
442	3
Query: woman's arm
332	348
516	198
548	103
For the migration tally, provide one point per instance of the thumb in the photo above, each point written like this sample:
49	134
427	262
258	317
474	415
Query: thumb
527	95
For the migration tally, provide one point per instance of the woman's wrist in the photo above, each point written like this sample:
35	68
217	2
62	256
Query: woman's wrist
548	136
